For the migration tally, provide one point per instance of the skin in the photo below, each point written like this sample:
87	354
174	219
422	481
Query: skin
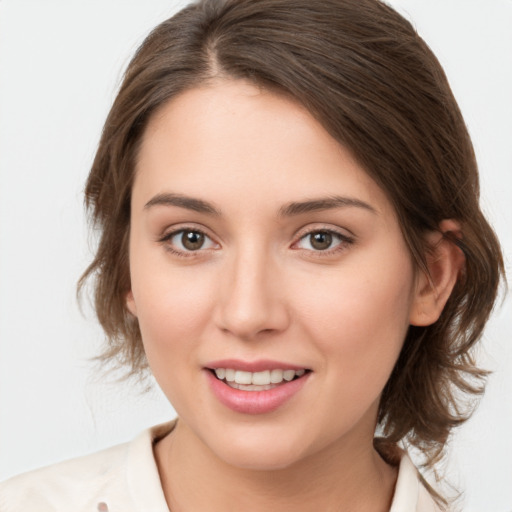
258	289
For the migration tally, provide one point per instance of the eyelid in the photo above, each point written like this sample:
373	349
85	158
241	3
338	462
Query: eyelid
172	231
346	238
329	228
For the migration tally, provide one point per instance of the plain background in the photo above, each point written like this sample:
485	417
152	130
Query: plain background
61	62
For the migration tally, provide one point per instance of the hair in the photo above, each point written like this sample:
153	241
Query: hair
362	70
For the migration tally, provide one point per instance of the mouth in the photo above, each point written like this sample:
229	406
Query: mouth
264	380
256	387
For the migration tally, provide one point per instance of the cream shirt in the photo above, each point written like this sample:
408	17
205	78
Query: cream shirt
125	479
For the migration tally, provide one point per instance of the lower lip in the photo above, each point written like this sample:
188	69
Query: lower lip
254	402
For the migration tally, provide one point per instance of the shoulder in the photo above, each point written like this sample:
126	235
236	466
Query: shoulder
410	493
111	476
75	481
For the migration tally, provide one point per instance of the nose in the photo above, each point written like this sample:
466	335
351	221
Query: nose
252	299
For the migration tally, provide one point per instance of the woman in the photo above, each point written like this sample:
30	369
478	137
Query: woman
291	239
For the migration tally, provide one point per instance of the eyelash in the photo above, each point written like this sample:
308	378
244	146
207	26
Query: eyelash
165	239
343	241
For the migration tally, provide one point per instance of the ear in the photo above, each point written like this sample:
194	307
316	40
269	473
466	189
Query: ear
130	303
444	261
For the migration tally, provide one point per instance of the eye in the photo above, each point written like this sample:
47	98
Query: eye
322	240
188	240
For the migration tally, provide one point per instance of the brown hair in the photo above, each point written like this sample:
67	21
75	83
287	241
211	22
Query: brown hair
366	75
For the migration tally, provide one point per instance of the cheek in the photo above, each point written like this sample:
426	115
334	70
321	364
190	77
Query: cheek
359	318
172	309
170	302
172	313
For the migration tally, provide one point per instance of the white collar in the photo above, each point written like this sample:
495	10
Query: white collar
410	494
146	490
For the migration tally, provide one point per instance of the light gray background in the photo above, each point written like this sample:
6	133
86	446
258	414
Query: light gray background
60	65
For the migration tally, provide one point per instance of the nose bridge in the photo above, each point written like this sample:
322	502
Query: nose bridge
251	301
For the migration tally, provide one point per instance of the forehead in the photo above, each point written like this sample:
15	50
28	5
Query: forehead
235	140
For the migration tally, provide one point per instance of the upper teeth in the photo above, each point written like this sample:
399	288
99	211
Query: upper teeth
258	378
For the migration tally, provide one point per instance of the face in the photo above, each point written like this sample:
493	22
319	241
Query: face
270	278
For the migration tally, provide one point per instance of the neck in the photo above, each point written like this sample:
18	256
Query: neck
348	476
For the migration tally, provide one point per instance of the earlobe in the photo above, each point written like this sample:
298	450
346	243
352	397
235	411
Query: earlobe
130	303
445	261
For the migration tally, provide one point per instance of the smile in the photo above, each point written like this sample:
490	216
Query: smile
255	387
256	381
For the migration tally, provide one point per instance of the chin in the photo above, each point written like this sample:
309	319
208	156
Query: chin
260	453
261	460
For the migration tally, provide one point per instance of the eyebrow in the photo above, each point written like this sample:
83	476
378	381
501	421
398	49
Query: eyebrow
190	203
325	203
288	210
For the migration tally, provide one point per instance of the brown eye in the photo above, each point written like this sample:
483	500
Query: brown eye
186	241
324	240
192	240
320	240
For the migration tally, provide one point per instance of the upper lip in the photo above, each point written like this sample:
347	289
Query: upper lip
253	366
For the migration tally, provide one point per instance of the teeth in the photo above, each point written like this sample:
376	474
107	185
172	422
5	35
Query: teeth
250	387
221	373
276	376
261	378
242	379
288	374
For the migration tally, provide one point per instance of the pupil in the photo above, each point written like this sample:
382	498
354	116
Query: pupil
192	240
321	240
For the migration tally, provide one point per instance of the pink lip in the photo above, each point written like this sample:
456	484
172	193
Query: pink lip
254	402
252	366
